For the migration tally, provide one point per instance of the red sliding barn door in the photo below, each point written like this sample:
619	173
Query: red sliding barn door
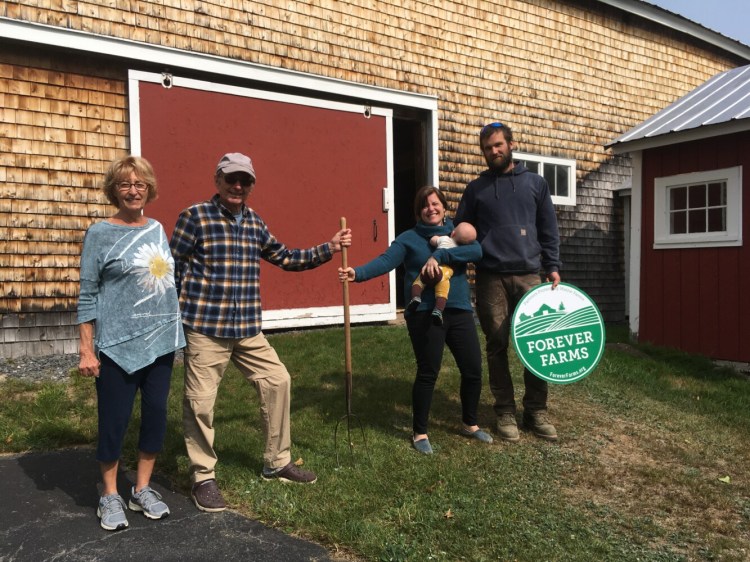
315	162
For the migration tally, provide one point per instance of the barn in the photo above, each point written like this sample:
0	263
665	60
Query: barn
346	108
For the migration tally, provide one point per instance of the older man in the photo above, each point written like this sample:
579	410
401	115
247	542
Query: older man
217	246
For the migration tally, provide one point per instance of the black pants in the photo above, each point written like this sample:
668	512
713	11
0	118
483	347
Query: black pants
116	390
459	333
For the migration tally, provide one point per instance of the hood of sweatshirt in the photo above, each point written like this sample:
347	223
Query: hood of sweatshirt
490	174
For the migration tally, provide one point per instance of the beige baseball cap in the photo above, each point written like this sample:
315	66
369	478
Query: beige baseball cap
235	162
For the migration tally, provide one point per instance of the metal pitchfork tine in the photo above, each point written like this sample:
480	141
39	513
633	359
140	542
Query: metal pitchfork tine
348	369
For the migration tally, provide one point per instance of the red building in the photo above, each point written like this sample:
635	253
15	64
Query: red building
689	257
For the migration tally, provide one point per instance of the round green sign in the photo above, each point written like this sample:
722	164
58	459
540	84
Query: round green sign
558	334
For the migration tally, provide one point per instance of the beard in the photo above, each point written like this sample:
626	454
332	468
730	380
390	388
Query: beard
501	163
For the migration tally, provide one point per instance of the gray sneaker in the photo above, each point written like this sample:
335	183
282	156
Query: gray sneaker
149	502
538	423
111	512
507	429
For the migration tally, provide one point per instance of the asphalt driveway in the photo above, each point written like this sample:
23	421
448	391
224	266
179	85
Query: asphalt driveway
48	512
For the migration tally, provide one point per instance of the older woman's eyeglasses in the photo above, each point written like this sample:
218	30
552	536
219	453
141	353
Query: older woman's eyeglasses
138	185
244	179
495	125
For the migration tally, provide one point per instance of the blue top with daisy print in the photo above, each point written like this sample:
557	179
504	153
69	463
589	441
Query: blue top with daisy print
128	291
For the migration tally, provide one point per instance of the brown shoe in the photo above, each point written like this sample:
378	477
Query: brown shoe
507	429
207	496
539	424
291	473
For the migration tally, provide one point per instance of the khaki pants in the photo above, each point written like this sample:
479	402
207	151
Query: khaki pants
206	360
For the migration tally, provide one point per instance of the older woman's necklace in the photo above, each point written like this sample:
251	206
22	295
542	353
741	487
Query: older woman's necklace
129	219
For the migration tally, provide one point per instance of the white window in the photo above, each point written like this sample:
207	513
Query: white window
702	209
560	174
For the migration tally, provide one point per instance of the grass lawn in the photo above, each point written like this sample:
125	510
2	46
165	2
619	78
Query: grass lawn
653	461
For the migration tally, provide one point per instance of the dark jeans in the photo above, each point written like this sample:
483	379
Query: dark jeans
116	390
497	297
459	333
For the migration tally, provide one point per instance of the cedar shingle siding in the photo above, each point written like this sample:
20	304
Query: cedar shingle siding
568	76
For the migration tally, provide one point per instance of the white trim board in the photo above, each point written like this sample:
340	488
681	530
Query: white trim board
326	316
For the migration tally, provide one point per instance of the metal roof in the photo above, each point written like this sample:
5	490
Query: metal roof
723	99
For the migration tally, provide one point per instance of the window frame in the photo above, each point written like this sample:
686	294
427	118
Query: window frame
570	199
732	236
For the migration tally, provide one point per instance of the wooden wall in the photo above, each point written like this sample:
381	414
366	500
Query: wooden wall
567	75
62	122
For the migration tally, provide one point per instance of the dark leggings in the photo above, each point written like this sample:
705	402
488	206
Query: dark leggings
116	390
459	333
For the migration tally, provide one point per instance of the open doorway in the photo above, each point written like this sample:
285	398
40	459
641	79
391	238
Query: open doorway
409	174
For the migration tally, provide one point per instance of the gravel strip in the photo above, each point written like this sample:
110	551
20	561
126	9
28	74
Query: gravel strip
55	368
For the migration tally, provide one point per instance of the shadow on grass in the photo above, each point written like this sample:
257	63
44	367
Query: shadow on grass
693	384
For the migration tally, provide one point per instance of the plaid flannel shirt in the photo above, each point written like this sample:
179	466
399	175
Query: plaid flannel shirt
217	267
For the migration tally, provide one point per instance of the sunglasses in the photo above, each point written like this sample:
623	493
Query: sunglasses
496	125
244	179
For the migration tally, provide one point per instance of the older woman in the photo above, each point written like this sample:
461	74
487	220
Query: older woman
458	330
129	331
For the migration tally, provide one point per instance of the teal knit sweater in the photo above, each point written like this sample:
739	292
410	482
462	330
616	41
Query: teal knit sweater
412	248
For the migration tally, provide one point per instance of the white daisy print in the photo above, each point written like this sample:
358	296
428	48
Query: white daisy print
155	270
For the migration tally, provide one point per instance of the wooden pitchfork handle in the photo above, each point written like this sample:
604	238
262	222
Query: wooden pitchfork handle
347	329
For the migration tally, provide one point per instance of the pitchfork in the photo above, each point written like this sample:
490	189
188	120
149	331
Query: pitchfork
348	368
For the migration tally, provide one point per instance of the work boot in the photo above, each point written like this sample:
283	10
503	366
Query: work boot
507	429
538	423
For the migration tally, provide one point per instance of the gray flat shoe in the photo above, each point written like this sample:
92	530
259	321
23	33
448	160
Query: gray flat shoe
482	436
423	446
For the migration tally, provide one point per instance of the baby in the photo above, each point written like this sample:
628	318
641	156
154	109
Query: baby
464	233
